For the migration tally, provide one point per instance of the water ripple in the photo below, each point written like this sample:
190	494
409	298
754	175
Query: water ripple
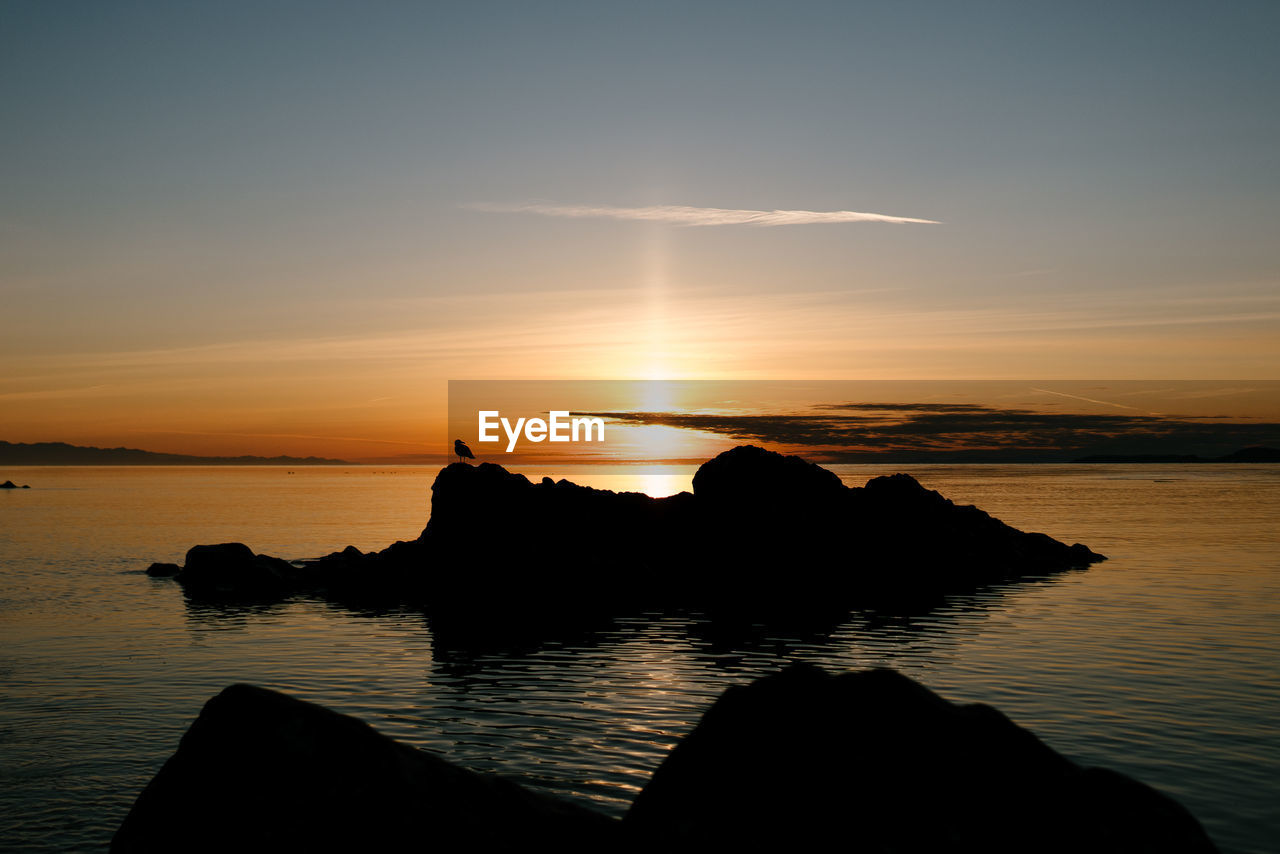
1161	663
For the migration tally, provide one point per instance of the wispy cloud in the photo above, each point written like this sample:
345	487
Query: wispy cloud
685	215
1087	399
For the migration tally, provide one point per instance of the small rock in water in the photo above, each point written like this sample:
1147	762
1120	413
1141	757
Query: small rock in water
163	570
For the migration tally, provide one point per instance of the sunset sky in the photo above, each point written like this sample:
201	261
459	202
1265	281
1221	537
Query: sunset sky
282	227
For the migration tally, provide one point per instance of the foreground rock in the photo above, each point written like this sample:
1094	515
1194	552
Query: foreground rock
882	764
8	484
260	771
800	761
760	531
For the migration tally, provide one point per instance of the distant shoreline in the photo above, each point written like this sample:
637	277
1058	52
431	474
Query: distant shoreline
232	464
63	454
1245	455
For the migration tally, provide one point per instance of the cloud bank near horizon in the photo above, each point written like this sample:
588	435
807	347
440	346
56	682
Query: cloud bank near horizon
863	432
692	216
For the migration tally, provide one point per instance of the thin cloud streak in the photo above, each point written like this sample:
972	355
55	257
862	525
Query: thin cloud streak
690	216
1088	399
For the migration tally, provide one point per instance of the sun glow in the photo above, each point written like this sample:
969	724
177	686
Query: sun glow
657	328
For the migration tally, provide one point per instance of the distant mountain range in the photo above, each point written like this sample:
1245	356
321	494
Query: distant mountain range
62	454
1246	455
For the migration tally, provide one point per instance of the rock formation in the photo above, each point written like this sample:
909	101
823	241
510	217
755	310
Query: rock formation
882	764
760	531
261	771
799	761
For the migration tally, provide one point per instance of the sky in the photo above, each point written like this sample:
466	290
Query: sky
277	227
679	423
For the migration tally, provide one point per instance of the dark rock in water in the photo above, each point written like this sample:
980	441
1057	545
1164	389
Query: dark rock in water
8	484
163	570
260	771
497	541
761	533
879	762
352	577
891	537
232	569
232	572
791	762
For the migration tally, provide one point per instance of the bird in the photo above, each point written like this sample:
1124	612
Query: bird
460	448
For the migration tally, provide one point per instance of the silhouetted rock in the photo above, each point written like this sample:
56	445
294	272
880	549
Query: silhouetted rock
231	569
261	771
8	484
820	543
882	764
752	475
163	570
799	761
762	534
498	542
363	579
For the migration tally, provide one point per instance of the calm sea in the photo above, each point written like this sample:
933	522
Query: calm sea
1162	662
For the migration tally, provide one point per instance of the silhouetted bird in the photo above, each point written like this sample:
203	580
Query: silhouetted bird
460	448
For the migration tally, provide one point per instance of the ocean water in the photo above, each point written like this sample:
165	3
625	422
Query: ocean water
1161	662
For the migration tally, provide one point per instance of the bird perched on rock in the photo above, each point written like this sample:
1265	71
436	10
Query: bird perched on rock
460	448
